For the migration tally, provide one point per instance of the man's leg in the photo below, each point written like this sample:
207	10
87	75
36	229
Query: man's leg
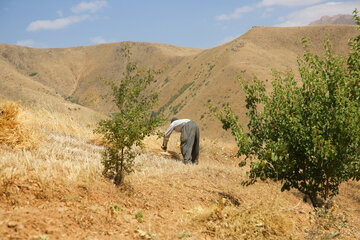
196	146
187	141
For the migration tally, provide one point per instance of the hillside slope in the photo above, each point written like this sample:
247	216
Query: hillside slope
212	74
190	79
60	78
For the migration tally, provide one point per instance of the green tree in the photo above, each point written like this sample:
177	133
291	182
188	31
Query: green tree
132	121
304	134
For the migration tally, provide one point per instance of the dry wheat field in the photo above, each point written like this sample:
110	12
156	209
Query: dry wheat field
51	187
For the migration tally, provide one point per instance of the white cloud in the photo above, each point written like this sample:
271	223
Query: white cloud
26	43
63	22
281	19
89	6
98	40
59	13
307	15
288	3
55	24
267	12
235	15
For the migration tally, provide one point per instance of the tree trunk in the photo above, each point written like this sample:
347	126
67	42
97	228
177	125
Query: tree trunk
119	177
314	200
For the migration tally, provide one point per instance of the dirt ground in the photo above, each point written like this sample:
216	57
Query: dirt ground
165	191
56	191
30	212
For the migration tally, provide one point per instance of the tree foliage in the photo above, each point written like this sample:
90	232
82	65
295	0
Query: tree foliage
132	121
304	134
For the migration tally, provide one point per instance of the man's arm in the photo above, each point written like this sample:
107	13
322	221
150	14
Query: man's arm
167	136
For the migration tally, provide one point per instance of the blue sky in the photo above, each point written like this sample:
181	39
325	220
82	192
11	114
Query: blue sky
188	23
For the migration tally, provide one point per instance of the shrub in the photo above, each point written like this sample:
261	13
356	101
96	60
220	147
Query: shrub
184	235
131	123
304	135
139	215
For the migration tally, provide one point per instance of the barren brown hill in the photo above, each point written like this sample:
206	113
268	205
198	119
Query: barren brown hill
58	78
191	78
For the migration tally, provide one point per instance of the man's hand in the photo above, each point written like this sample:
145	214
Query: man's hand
164	148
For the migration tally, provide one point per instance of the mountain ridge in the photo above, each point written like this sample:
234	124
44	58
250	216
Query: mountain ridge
191	79
336	19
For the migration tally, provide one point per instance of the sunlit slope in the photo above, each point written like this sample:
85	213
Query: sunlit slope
190	79
212	74
64	78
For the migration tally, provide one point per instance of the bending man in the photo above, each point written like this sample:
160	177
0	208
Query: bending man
190	138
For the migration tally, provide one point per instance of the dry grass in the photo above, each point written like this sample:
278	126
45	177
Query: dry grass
270	219
60	161
263	219
65	167
15	131
61	156
59	123
330	224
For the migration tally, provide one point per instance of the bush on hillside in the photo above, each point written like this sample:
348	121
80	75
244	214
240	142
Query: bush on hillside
132	121
305	135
